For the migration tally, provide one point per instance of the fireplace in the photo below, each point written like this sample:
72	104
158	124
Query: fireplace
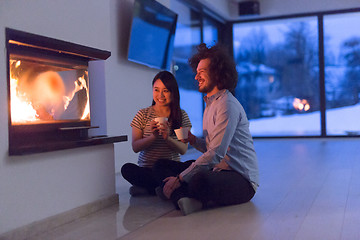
48	93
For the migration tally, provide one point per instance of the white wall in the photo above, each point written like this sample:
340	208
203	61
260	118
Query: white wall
37	186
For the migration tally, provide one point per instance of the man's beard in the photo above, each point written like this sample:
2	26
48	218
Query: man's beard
207	88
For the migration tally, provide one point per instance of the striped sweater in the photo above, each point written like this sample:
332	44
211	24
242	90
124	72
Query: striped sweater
159	149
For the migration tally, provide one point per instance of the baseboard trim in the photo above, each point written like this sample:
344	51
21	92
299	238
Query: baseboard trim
55	221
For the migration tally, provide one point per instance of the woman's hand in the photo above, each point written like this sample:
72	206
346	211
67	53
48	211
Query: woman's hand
171	183
154	128
160	129
164	130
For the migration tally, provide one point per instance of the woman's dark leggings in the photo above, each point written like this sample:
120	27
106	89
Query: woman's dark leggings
139	176
226	187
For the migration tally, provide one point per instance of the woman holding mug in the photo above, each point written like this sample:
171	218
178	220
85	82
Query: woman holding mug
156	139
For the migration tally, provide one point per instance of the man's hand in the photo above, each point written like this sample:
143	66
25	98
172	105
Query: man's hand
171	183
221	166
191	139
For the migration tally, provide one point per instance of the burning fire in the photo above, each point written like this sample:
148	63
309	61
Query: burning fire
43	98
301	104
21	109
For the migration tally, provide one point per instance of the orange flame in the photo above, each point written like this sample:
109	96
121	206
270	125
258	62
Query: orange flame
21	108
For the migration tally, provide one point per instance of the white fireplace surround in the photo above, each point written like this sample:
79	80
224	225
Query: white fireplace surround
75	181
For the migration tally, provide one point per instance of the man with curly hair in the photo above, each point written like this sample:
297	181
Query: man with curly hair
227	171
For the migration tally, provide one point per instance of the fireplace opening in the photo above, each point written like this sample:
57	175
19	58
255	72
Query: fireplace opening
43	92
48	92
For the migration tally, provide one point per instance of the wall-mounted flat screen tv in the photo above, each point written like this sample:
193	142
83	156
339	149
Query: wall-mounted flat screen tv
152	34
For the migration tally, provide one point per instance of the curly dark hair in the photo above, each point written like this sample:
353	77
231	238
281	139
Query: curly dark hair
222	68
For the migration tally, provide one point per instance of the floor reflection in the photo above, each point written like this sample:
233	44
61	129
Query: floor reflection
135	212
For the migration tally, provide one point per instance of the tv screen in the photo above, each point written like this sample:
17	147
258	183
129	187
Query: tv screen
152	34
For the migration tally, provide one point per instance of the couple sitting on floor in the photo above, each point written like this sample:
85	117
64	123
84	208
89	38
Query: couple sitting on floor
227	171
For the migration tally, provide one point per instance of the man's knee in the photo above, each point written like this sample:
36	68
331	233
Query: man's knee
199	184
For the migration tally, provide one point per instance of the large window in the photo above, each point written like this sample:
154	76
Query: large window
277	62
342	73
300	76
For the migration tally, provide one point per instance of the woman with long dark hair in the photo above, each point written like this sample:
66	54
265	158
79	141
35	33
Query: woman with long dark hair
156	140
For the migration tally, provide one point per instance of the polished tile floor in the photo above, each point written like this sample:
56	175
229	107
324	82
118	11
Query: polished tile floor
310	189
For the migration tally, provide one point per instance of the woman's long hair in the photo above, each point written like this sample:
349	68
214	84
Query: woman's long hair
168	79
